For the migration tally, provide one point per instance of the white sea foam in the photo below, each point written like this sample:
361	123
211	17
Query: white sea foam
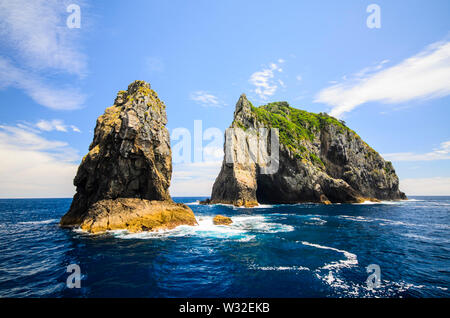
242	229
259	224
382	222
224	204
418	237
79	230
259	206
40	222
355	218
328	273
381	202
351	259
264	206
385	222
298	215
316	221
280	268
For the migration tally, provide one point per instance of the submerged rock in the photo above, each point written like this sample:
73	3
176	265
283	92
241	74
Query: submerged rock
123	181
222	220
319	160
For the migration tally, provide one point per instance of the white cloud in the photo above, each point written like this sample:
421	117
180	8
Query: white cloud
55	124
37	31
33	166
206	99
75	128
194	179
299	78
441	153
264	82
33	85
39	43
49	125
425	75
426	186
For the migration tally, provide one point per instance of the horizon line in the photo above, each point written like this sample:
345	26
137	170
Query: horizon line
198	196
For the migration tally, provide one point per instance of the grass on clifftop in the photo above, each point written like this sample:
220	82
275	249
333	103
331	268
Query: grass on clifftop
295	125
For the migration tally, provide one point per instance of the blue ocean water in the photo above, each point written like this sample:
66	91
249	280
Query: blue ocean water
303	250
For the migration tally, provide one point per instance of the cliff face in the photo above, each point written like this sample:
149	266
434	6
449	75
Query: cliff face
319	160
129	158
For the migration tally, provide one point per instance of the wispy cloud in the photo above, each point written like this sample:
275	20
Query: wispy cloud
206	99
426	186
56	124
37	31
264	80
64	98
33	166
38	43
425	75
194	179
441	153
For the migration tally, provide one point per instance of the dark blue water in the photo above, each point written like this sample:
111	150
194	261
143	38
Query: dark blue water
304	250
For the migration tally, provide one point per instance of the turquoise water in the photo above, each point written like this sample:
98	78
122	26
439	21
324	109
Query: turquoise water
303	250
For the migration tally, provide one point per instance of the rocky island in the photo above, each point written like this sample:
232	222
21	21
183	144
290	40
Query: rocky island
319	159
123	181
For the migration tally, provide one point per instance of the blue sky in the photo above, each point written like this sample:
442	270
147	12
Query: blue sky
390	84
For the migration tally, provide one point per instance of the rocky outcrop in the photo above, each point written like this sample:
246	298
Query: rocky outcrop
123	180
137	215
222	220
317	158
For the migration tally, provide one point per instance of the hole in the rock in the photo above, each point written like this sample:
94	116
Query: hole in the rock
266	191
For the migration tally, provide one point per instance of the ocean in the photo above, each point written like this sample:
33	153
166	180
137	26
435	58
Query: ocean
301	250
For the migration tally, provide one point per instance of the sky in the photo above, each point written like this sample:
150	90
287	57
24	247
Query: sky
384	69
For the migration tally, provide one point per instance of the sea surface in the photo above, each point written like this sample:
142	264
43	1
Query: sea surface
302	250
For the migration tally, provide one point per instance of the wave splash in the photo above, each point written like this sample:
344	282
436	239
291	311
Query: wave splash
243	228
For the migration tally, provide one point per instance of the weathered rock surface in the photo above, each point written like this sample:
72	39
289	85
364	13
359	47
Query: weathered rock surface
137	215
320	160
222	220
129	158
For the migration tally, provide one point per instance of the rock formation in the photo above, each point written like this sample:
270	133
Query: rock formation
318	159
123	181
222	220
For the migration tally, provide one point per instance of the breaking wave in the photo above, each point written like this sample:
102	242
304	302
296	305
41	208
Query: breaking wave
243	228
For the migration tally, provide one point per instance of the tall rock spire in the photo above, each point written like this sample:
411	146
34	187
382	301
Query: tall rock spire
129	158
